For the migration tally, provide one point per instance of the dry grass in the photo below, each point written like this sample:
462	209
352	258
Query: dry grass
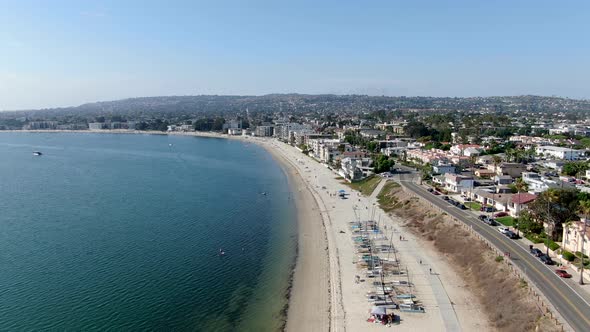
504	296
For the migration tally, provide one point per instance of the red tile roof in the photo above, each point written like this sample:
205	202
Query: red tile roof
523	198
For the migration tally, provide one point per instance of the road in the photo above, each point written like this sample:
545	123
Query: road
573	308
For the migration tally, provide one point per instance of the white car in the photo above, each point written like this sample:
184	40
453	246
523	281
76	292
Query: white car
503	230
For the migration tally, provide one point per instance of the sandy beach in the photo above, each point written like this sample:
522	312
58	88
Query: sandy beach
324	294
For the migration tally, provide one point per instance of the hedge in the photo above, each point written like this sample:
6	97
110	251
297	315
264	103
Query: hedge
568	256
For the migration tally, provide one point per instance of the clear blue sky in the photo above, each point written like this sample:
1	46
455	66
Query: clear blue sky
61	53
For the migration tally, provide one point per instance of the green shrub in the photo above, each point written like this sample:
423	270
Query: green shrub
499	259
553	246
568	256
534	238
579	254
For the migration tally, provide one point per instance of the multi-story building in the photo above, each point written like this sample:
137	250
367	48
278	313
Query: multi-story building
559	152
264	131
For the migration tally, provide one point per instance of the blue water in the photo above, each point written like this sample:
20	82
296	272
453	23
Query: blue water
123	232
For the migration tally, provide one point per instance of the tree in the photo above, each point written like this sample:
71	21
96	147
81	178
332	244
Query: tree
573	168
555	207
520	186
527	223
382	163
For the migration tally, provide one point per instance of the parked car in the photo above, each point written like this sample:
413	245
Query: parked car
563	273
546	259
487	209
536	252
511	235
436	193
446	198
482	217
462	206
430	190
503	230
501	214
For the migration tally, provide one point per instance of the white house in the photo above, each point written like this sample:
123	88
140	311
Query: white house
442	168
457	183
559	152
519	203
573	235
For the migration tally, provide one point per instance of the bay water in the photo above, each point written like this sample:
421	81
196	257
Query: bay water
124	232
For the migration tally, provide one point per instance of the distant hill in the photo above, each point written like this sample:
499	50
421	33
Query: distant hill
192	105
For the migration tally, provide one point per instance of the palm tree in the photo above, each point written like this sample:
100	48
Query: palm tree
585	210
496	160
521	186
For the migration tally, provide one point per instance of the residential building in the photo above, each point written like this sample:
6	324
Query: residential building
519	202
484	173
467	150
457	183
264	131
354	169
559	152
36	125
95	125
513	169
234	131
574	236
442	168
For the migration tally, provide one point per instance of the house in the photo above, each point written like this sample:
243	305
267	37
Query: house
574	234
467	150
371	133
555	164
485	160
457	183
484	173
502	179
538	184
442	168
519	202
559	152
512	169
489	197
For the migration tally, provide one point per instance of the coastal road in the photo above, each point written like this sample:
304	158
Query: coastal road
570	305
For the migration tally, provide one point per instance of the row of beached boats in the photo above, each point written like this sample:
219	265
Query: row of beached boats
391	287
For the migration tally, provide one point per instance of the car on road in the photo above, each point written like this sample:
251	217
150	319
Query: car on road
563	273
536	252
511	235
430	190
490	221
446	198
436	193
482	217
501	214
503	230
546	259
462	206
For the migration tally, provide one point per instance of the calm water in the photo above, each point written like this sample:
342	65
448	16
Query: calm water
123	232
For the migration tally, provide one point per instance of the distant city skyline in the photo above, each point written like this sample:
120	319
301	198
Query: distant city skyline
67	53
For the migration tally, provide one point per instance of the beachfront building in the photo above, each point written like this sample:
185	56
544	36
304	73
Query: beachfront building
95	125
558	152
264	130
354	169
234	131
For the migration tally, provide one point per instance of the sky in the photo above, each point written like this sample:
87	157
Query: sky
65	53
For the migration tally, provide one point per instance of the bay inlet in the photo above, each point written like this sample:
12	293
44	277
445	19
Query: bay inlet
124	232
